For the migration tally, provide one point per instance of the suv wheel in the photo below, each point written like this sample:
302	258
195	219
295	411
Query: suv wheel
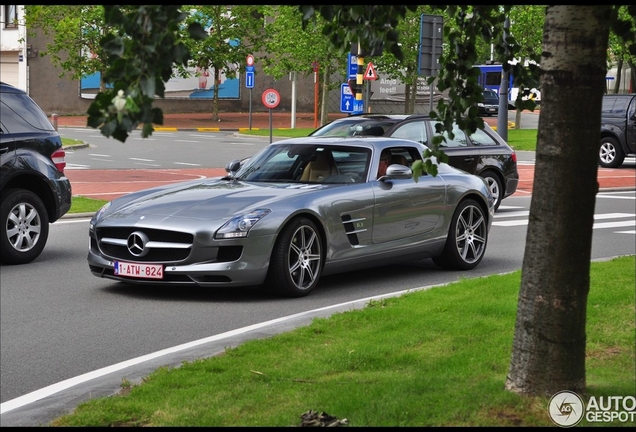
610	154
25	226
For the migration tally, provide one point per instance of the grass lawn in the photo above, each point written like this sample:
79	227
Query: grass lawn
436	357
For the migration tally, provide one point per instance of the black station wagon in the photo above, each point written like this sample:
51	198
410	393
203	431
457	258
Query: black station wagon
483	153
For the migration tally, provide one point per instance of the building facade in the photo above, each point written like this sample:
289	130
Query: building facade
14	49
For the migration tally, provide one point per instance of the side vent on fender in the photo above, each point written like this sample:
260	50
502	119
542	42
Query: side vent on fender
350	228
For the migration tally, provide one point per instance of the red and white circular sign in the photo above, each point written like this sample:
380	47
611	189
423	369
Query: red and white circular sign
250	60
271	98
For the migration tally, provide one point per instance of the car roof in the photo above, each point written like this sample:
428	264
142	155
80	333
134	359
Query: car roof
8	88
372	142
377	116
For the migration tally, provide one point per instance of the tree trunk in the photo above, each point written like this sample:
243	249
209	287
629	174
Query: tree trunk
548	352
518	118
324	101
413	94
619	74
632	79
215	102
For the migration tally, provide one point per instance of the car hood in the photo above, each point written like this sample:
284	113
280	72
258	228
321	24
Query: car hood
204	200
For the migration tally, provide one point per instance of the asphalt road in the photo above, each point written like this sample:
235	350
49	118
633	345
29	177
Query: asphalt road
68	336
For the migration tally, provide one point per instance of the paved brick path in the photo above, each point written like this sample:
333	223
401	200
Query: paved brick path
110	184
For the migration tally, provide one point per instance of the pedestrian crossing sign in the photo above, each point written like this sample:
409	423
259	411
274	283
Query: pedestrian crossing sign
370	73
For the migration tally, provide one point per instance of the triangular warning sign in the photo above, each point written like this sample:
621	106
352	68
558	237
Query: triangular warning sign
370	74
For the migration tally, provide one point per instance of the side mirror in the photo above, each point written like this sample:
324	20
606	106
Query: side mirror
397	171
233	166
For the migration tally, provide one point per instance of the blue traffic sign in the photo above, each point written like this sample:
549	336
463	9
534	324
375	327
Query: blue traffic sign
249	79
346	99
353	65
358	107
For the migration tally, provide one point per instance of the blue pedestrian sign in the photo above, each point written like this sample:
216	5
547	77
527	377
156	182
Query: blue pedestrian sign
249	79
353	66
346	99
358	107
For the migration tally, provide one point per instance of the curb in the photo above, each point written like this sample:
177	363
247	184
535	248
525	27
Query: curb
201	129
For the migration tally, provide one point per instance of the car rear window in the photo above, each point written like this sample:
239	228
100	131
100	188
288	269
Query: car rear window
21	114
357	127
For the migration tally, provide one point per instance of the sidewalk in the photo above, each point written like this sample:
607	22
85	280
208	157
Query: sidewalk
232	121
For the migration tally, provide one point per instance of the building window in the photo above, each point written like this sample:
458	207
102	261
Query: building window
10	16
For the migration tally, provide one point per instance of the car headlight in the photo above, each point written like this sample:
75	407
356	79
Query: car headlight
480	104
239	226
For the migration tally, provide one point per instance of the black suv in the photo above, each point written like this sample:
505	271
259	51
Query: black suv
618	129
33	188
483	153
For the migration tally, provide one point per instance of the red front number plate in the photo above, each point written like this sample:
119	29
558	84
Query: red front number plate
143	271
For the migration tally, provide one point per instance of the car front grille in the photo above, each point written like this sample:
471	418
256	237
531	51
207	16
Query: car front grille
173	246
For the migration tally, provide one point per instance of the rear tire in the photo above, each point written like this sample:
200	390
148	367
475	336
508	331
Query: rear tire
610	153
25	226
494	184
296	262
467	238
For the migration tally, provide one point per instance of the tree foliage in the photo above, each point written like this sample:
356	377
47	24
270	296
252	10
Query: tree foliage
141	50
74	35
290	49
233	33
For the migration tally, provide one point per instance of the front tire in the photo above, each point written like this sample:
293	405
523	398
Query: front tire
610	154
467	238
296	262
494	184
25	226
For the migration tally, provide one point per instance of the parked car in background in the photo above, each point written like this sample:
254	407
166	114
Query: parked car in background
618	129
490	104
298	209
33	188
483	153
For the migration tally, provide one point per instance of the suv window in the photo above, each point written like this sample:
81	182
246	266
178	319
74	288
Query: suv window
615	105
460	139
481	138
19	114
415	131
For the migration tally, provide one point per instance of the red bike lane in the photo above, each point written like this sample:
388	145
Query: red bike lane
112	183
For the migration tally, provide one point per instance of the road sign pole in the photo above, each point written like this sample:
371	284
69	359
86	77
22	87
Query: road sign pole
270	126
249	82
430	86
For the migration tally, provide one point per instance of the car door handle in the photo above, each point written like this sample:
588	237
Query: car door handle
469	159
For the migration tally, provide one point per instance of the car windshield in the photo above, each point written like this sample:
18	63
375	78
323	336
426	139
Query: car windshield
302	163
353	127
491	97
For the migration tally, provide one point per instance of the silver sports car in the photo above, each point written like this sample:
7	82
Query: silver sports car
298	209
